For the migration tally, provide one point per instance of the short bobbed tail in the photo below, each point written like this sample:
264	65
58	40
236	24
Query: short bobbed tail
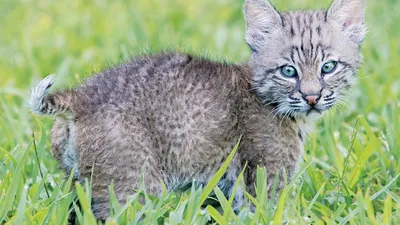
42	103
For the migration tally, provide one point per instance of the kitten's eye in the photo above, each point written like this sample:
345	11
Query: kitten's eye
329	67
288	71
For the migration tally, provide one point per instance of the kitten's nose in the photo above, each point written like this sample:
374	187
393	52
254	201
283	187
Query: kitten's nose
312	99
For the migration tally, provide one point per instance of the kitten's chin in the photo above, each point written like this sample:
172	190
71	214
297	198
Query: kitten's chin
312	113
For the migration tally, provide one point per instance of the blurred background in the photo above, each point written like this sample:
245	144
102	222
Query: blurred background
75	38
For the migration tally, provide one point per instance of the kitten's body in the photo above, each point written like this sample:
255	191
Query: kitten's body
184	119
176	117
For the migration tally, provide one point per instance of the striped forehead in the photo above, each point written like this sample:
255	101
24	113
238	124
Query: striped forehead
304	31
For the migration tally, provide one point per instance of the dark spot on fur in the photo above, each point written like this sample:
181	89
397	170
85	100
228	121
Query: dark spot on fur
292	34
252	48
319	30
300	135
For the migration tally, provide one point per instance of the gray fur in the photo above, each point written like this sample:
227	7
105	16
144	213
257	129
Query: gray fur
177	117
38	94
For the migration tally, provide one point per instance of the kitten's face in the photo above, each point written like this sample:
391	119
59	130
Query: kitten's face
303	61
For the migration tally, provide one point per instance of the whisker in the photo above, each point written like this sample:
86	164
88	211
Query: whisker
341	102
283	117
362	77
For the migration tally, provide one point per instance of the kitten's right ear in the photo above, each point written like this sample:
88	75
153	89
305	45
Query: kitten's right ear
350	15
261	19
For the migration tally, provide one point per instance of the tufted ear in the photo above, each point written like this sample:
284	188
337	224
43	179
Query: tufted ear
350	15
261	19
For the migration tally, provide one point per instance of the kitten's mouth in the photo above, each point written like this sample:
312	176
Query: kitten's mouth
313	110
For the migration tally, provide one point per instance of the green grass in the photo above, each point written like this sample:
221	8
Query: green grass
351	166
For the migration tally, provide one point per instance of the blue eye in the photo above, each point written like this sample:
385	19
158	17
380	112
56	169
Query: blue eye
329	67
288	71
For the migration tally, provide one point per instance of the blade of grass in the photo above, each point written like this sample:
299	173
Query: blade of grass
320	190
280	207
387	212
38	163
84	200
217	176
219	219
373	197
14	187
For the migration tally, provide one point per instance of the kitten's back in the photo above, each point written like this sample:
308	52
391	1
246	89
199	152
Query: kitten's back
180	101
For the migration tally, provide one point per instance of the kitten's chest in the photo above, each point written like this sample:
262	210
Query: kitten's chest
304	127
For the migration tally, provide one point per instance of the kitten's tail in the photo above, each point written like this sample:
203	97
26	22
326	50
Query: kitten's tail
42	103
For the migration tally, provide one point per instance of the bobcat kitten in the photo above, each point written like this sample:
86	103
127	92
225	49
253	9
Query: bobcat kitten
176	117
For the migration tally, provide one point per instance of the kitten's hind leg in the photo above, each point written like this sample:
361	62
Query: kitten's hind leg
118	155
63	145
123	187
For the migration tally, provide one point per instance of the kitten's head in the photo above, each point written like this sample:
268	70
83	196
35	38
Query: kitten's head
303	61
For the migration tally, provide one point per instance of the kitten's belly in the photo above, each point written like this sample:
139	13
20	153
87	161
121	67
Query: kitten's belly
198	172
197	161
187	147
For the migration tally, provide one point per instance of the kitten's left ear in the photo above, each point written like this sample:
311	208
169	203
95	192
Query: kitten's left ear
350	15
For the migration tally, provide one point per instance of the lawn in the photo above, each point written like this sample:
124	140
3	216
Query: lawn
350	169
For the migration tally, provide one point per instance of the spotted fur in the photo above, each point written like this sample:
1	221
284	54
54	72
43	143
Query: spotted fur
173	118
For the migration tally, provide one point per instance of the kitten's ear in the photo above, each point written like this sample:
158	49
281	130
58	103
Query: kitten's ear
350	15
261	19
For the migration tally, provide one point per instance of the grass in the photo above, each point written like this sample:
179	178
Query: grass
350	169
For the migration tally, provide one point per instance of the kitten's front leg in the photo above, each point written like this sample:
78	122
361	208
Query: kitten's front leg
277	176
280	161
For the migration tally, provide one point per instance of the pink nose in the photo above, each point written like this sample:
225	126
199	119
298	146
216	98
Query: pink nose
312	99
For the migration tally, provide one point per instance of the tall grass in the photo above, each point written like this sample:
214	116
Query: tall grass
350	169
